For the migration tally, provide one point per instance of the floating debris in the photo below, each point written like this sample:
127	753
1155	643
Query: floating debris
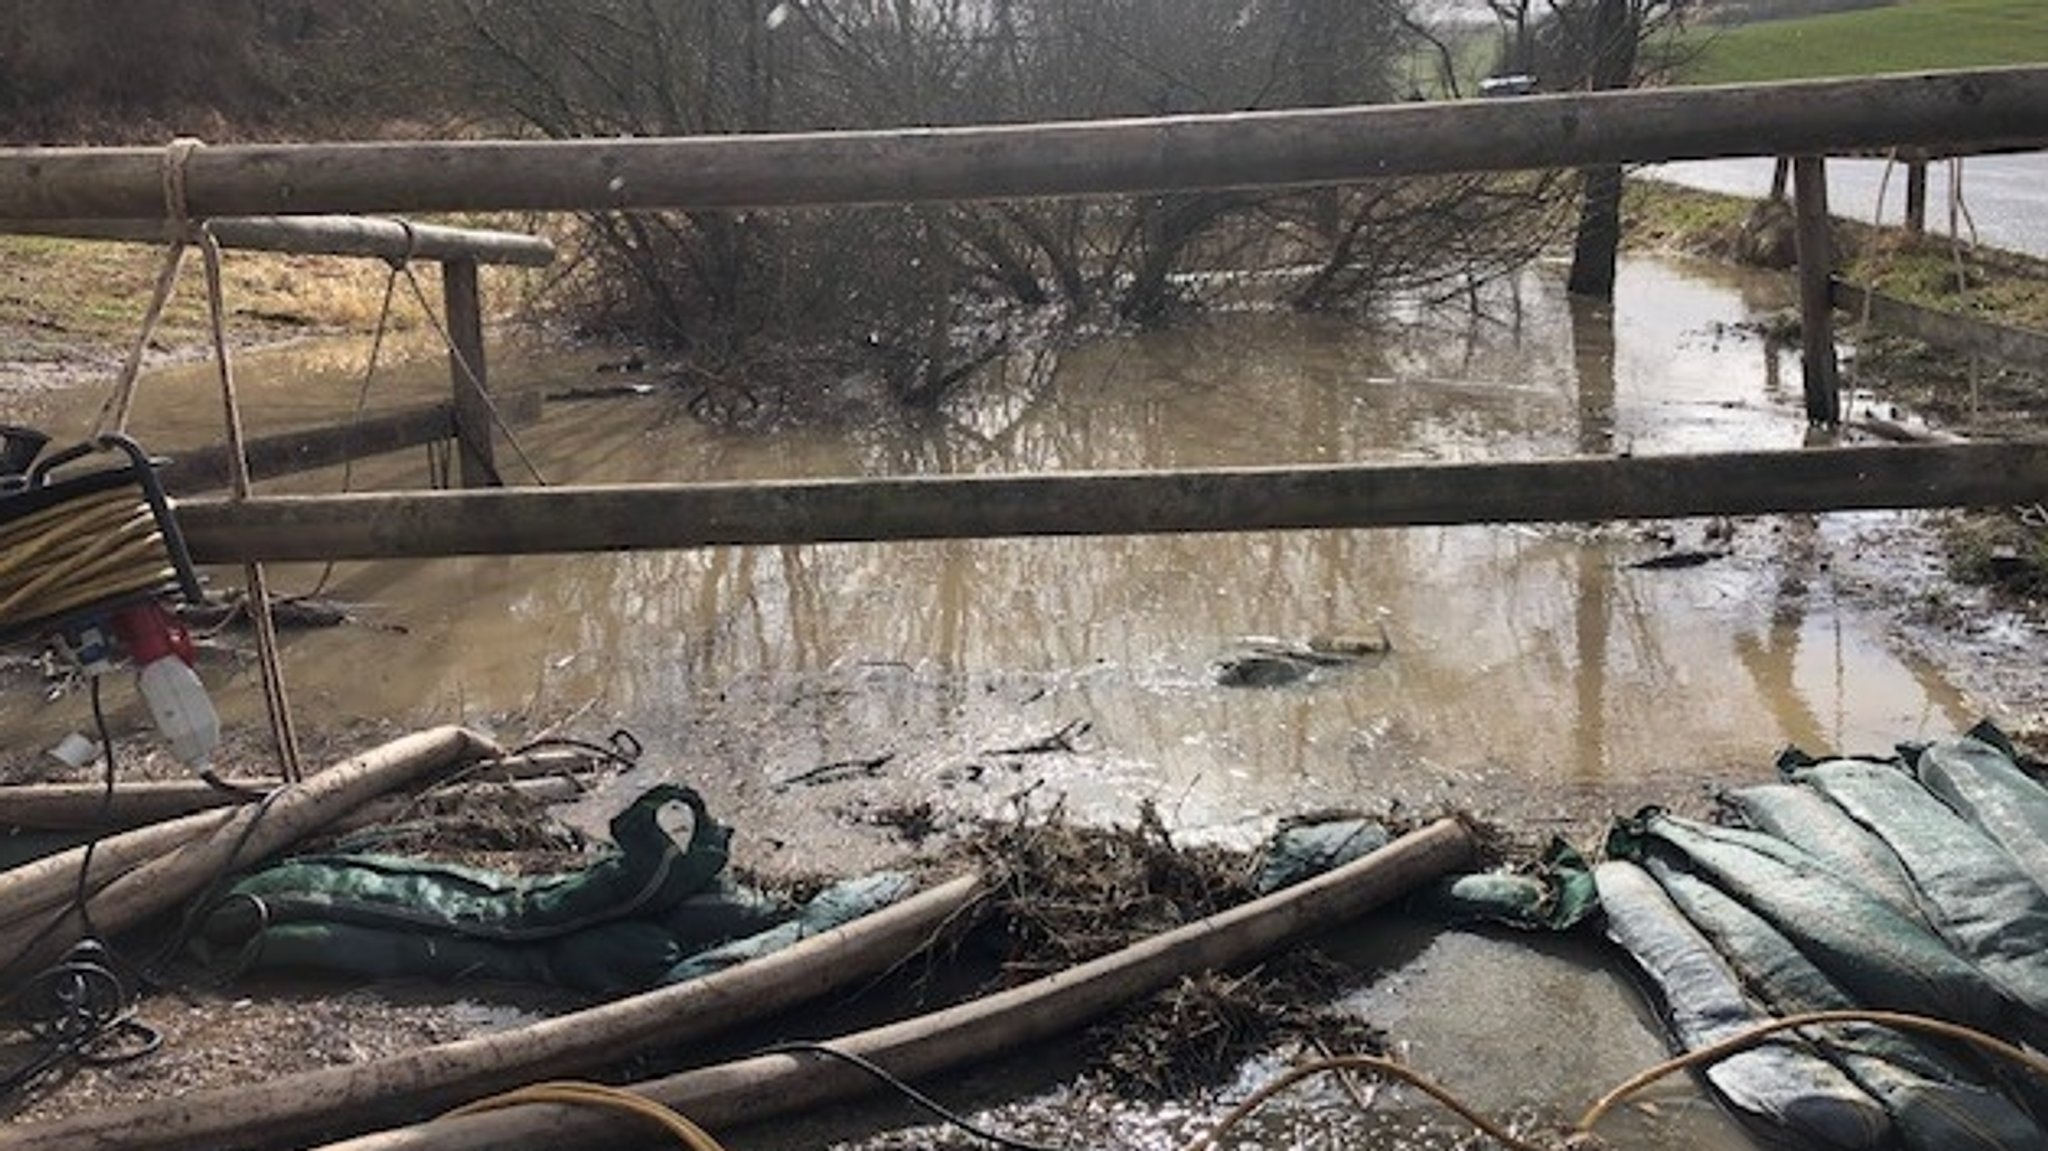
1266	661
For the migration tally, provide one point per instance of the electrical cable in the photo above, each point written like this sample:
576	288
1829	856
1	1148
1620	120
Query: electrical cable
78	1004
926	1102
1714	1052
623	748
1376	1064
581	1094
82	896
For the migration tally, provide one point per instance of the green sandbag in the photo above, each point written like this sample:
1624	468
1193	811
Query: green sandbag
1779	1082
1933	1103
723	912
839	904
647	873
1310	849
1971	891
607	959
1878	955
620	924
1978	777
1807	820
1554	895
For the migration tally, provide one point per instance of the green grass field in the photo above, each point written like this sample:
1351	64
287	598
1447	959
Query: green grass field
1910	36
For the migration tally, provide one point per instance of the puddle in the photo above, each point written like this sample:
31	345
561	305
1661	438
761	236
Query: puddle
1528	1031
1536	678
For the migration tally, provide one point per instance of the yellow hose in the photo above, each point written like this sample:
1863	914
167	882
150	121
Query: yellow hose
1379	1066
36	521
598	1095
1583	1130
1762	1031
78	552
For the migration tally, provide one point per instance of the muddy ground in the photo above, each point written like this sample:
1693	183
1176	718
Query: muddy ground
797	759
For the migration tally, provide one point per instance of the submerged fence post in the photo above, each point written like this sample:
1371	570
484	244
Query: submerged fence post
473	433
1816	313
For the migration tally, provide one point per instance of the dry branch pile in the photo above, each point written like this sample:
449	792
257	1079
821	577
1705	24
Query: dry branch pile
1069	894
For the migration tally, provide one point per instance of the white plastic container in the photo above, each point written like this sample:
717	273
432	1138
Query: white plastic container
183	713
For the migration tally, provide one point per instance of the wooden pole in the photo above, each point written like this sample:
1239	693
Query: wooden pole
772	1086
527	521
319	236
291	452
1916	196
475	433
1955	110
84	806
249	834
34	890
1816	250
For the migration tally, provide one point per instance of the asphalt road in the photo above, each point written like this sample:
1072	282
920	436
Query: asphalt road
2006	196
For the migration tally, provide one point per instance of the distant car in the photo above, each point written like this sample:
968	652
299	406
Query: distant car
1519	85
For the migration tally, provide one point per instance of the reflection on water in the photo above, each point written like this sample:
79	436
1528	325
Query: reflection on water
1526	659
1536	676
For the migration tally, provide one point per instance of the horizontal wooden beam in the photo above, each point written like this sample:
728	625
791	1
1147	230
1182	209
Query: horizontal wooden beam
318	236
618	518
89	807
1953	110
2016	346
288	453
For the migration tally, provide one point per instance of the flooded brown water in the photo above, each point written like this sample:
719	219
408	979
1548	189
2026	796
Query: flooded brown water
1535	677
1526	659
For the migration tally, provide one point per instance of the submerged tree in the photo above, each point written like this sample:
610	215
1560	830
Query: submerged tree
884	288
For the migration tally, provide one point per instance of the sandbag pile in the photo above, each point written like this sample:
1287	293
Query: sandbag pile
1916	884
650	911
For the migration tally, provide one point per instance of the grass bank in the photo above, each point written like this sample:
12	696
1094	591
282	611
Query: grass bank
1912	35
1979	283
70	308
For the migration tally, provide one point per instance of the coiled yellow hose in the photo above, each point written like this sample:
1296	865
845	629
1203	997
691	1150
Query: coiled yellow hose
78	552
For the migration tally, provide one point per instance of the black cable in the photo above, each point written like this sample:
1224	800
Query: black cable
203	903
623	748
77	1005
926	1102
78	1009
99	826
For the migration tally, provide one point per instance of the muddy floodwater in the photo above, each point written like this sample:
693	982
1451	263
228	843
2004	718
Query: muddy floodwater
1537	677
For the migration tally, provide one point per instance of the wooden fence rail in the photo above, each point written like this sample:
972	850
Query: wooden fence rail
1952	110
319	235
636	517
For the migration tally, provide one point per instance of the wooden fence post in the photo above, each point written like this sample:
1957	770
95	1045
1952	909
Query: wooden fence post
473	423
1916	195
1816	314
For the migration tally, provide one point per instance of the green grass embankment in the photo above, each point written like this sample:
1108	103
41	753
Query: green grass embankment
1914	35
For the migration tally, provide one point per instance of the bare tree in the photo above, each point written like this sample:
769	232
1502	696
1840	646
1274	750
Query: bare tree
886	287
1591	45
